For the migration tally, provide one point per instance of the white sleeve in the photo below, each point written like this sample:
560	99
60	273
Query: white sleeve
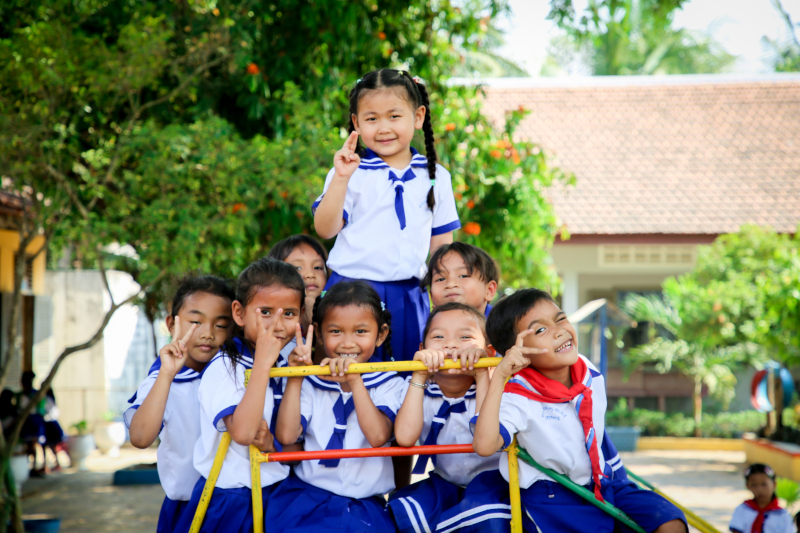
739	520
221	390
348	198
445	215
306	405
138	398
514	416
787	526
389	396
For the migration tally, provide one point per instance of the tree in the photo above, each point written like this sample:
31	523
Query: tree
784	52
622	37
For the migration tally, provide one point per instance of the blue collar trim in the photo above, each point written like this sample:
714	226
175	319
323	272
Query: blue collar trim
371	161
184	375
371	380
434	391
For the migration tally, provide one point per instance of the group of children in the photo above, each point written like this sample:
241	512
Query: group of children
371	300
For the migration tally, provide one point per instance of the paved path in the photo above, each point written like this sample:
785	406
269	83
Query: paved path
708	483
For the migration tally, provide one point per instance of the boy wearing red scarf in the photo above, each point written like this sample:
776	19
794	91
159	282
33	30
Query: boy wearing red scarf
555	403
762	514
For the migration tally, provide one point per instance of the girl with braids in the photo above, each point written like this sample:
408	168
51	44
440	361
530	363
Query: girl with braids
266	312
388	204
341	411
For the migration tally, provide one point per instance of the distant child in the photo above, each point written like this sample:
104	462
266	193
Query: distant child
555	404
165	405
342	411
309	257
461	272
388	204
437	410
762	514
266	311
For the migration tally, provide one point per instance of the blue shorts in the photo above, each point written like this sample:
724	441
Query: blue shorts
170	515
230	510
297	507
410	309
550	507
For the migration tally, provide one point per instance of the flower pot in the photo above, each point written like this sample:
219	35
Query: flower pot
109	436
21	470
41	523
80	446
625	439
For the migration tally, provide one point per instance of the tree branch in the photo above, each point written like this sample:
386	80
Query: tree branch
62	179
104	275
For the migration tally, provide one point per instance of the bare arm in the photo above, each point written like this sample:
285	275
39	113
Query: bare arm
409	421
439	240
328	218
288	427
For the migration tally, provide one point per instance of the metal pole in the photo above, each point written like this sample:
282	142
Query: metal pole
208	488
362	368
513	487
365	452
255	489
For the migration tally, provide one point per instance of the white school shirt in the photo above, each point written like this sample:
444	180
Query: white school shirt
354	478
552	433
180	429
221	390
371	245
457	468
779	521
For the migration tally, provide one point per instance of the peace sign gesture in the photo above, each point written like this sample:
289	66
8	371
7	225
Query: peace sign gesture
517	357
301	355
173	355
346	160
267	344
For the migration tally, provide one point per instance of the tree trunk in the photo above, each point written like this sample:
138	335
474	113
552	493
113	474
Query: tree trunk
698	406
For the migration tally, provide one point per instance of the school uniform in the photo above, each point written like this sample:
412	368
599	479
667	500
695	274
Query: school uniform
221	390
180	429
554	435
772	519
488	310
386	238
337	495
461	487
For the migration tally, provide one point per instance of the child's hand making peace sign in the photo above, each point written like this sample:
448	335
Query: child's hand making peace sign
301	355
173	355
269	346
516	357
346	160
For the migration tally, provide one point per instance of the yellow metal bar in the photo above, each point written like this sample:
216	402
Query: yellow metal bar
513	488
255	480
211	482
695	521
361	368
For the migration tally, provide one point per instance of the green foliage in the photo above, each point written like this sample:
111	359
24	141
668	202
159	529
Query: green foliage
785	52
787	490
80	428
658	424
636	37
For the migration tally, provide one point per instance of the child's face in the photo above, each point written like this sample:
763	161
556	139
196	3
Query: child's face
762	487
386	121
451	331
452	282
351	331
262	309
311	268
551	331
212	314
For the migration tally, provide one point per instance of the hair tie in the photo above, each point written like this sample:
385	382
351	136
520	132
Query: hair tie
383	306
322	294
416	79
433	182
358	81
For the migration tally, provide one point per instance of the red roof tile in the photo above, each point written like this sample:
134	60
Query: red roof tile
680	155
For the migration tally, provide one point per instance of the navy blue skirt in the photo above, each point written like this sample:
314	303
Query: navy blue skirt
230	510
550	507
170	515
410	309
297	507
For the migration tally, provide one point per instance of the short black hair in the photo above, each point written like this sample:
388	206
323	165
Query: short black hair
455	306
502	323
207	284
759	468
476	260
283	248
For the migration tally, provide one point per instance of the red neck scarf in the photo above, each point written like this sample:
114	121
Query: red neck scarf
758	525
554	392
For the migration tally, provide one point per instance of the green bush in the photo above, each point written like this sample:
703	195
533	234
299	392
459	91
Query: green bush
658	424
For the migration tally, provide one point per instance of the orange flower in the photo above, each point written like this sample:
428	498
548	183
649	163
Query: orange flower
253	69
502	144
272	203
215	11
299	214
472	228
238	207
470	205
381	36
458	196
285	195
497	154
515	156
450	127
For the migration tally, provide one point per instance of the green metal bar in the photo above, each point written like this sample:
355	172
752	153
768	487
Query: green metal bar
582	492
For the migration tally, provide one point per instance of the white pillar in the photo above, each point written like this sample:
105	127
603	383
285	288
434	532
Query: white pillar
570	298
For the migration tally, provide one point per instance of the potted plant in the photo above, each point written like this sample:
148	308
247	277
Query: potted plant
80	444
110	434
620	427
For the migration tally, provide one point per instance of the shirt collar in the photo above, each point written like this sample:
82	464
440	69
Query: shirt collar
371	160
434	391
184	375
371	380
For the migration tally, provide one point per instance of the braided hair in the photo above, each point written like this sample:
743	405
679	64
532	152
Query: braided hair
359	293
417	95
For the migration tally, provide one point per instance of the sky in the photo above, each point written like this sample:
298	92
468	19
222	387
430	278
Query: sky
738	26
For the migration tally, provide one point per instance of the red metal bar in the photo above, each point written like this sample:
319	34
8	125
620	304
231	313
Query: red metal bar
370	452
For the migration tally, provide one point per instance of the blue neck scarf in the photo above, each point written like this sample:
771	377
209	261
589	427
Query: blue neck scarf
438	423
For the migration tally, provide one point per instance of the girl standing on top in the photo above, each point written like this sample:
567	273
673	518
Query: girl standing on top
388	204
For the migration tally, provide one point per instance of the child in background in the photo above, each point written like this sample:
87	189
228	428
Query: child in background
555	404
343	411
165	404
388	204
762	514
266	311
437	410
461	272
